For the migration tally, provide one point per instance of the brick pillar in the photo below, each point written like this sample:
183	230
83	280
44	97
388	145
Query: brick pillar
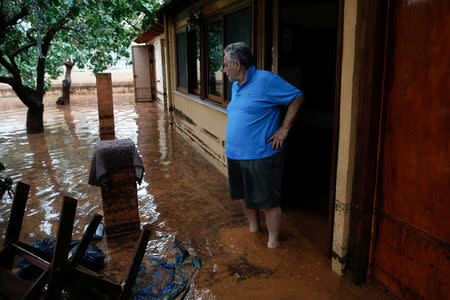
105	106
120	204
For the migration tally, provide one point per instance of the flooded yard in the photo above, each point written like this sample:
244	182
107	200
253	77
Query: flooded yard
183	197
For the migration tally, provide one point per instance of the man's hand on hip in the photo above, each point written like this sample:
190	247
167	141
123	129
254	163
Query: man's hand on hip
278	138
291	113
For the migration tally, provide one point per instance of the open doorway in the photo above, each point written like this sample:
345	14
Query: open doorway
307	44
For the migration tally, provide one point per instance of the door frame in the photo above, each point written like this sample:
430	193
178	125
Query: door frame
336	119
336	105
152	67
372	24
134	69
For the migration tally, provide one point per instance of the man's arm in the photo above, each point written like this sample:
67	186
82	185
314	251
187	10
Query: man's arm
279	136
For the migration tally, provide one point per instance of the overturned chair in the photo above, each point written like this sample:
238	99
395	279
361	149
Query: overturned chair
82	283
58	272
11	285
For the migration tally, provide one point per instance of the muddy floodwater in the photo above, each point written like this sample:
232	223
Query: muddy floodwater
182	196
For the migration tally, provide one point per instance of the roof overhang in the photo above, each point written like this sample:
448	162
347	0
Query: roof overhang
171	7
150	33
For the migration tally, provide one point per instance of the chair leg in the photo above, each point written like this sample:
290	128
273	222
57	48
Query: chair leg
16	218
85	241
35	291
17	212
136	263
63	239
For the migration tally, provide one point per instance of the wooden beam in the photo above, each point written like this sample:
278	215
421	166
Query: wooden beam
336	118
136	262
372	19
276	26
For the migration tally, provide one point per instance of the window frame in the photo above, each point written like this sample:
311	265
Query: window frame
218	15
211	97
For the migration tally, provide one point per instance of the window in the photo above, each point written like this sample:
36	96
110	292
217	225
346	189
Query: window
215	50
181	60
237	29
194	61
200	52
188	60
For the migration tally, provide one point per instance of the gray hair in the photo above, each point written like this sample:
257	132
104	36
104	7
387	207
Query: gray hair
239	52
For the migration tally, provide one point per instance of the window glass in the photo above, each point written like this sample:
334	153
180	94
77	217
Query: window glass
196	56
181	59
237	29
215	75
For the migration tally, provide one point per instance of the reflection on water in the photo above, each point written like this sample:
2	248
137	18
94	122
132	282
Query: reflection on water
184	198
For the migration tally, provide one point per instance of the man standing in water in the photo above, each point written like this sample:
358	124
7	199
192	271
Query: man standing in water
254	137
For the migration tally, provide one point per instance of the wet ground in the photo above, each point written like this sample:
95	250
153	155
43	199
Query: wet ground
182	196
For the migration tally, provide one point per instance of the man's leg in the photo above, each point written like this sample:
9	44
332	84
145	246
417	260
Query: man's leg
252	216
273	222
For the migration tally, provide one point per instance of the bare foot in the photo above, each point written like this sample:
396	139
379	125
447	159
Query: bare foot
273	244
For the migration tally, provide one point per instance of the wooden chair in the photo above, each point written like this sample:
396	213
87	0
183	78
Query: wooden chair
82	283
11	285
58	271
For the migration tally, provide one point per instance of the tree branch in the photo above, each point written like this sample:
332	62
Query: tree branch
6	64
13	69
23	48
137	29
46	41
7	80
73	29
22	13
23	92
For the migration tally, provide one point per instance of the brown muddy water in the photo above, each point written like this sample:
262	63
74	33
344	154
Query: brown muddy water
182	196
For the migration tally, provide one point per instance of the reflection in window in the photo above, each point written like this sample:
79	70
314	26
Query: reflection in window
237	29
181	59
196	56
215	75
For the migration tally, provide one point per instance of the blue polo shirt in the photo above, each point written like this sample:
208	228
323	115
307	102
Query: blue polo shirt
254	113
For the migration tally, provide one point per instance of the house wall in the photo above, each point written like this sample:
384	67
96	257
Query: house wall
200	122
203	125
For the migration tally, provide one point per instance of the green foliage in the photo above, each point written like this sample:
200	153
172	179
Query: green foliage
95	33
5	183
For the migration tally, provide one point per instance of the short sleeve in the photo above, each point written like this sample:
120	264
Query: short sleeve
281	92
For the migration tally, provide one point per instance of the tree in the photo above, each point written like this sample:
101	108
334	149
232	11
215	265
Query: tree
65	98
36	36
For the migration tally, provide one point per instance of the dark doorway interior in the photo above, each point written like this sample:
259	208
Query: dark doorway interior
307	59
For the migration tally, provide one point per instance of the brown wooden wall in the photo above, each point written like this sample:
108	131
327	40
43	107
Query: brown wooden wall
412	243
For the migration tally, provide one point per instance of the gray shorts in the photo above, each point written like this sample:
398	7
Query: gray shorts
258	181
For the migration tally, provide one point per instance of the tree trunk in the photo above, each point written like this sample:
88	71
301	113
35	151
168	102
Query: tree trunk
35	122
65	98
33	100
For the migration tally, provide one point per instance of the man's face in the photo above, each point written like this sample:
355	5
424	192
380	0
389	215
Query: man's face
231	68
